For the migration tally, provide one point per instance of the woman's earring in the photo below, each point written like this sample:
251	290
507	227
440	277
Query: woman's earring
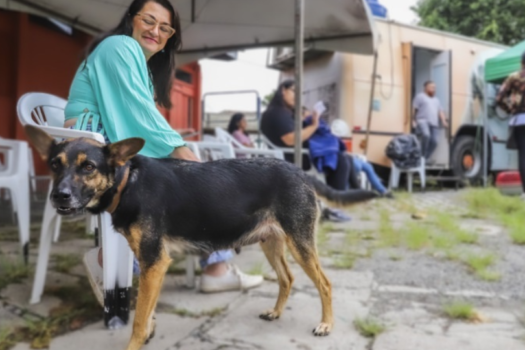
162	50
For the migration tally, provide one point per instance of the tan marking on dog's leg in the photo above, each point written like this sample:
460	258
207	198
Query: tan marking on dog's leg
273	248
306	256
150	284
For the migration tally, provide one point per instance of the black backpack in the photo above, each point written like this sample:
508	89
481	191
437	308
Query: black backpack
404	151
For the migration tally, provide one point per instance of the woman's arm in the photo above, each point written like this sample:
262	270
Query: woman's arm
306	133
184	153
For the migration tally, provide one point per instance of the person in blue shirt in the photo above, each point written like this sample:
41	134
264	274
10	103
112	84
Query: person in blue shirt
127	72
327	151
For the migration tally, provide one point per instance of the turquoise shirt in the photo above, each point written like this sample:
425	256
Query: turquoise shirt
114	90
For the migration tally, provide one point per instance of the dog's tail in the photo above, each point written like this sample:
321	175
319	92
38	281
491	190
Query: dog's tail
340	198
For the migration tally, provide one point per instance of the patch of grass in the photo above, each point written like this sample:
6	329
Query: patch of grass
479	262
368	327
479	265
365	217
417	236
509	211
515	224
489	276
405	202
448	224
7	338
388	236
460	311
256	269
344	261
489	201
65	262
322	234
12	270
78	308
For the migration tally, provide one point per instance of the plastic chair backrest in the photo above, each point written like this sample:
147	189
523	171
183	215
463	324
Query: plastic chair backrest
209	151
14	155
224	136
38	108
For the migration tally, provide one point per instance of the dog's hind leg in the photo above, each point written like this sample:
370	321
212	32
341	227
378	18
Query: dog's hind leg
273	248
150	284
305	253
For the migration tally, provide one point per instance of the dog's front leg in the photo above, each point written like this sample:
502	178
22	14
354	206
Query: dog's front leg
150	284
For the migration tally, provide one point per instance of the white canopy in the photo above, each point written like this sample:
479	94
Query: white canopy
214	26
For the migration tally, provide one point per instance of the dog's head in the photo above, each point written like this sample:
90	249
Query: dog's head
82	169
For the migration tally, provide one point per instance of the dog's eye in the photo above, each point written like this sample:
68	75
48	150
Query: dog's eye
89	167
54	164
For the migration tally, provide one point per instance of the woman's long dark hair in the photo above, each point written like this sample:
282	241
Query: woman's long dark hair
234	122
162	64
278	99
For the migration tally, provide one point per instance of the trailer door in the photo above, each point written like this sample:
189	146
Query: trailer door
440	73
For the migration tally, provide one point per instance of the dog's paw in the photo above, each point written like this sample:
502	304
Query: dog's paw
322	330
152	330
269	315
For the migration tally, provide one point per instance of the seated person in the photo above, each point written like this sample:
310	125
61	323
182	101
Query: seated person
237	128
277	122
327	151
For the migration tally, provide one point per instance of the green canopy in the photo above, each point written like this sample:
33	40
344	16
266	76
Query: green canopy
500	67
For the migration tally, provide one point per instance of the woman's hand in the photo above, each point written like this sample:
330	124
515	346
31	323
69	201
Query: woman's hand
184	153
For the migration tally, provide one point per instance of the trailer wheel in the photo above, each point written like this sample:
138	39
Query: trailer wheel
467	161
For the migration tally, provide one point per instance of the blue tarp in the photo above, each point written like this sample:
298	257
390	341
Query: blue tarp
377	9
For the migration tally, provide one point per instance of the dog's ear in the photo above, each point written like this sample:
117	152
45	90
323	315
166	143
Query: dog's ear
41	140
124	150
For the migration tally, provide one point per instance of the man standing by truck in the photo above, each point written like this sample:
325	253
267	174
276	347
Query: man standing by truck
426	113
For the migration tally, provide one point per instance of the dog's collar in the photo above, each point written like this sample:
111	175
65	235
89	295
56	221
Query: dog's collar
121	179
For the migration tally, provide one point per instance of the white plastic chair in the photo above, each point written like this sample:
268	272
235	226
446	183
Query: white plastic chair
14	176
47	112
242	151
395	174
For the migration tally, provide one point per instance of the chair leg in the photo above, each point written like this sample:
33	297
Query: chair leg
56	234
49	224
190	271
410	178
23	214
91	224
118	269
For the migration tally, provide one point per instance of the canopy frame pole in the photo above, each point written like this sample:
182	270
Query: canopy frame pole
299	44
371	107
485	137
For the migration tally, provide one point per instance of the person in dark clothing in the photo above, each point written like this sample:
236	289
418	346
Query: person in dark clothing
278	125
511	98
277	122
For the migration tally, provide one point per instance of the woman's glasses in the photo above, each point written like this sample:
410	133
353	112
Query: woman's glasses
149	22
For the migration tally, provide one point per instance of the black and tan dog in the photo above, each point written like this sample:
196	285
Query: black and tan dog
164	204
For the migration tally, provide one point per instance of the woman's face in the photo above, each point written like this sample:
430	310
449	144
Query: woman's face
243	124
289	96
152	28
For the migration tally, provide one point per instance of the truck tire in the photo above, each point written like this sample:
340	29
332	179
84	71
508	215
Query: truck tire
467	162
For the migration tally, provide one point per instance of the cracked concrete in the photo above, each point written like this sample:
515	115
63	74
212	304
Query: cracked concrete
406	294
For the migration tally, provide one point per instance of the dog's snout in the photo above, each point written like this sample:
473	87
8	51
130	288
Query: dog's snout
62	194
